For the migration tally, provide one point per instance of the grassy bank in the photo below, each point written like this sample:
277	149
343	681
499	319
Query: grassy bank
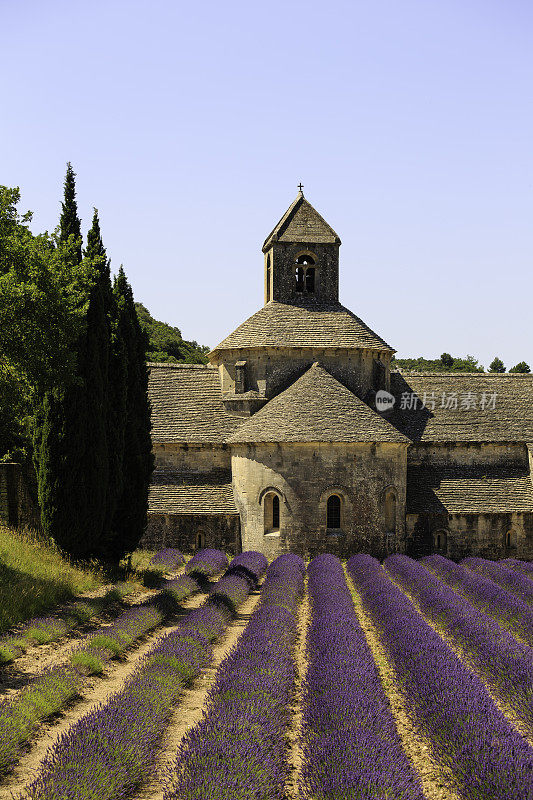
34	577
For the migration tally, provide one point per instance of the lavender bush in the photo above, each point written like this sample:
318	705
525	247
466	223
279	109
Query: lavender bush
239	749
526	567
350	742
513	581
207	563
230	590
180	588
169	559
467	732
112	750
495	655
505	607
251	565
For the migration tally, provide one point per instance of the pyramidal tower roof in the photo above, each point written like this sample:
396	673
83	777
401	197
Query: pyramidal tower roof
302	223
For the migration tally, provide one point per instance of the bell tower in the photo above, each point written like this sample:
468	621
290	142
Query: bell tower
302	258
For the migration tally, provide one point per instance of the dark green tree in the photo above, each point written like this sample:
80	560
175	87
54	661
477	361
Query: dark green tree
138	462
497	365
69	222
447	360
521	367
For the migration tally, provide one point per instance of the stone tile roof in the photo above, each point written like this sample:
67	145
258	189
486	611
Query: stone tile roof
511	419
302	223
316	408
306	324
468	490
187	404
191	494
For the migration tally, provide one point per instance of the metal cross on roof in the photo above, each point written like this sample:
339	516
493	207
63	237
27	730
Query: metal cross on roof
300	186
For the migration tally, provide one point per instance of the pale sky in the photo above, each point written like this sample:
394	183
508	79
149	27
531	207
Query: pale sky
189	126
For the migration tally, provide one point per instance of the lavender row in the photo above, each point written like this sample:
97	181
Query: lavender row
169	559
466	731
42	630
111	751
250	564
505	607
350	742
526	567
56	687
494	654
207	563
513	581
239	749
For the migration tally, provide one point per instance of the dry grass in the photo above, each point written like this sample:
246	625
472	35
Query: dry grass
35	576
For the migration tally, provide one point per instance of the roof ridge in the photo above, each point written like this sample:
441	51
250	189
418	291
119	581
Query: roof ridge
178	365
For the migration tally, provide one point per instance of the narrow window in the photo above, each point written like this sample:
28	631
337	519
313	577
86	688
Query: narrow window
310	280
268	279
299	275
334	512
240	377
275	511
440	540
510	539
390	510
271	509
200	540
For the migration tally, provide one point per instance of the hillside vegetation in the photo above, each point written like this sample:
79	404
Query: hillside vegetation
165	342
35	576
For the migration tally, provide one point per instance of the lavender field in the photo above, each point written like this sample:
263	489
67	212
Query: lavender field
243	680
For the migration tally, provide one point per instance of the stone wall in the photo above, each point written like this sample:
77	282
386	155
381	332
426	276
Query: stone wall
187	459
283	265
511	455
269	372
482	535
304	476
183	531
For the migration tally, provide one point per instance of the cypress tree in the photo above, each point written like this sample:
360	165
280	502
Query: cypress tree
69	222
61	433
138	462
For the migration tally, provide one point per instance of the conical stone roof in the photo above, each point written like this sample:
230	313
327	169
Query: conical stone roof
316	408
302	223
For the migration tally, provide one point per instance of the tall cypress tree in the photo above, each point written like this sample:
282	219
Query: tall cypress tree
69	222
61	434
138	462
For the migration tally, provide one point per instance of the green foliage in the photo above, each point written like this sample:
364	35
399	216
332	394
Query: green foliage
521	367
69	222
468	364
35	576
165	342
42	306
131	514
497	365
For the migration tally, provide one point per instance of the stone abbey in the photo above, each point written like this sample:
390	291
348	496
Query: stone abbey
298	436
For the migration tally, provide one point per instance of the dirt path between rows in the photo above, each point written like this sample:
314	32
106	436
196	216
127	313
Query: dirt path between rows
95	691
295	755
437	783
466	658
191	705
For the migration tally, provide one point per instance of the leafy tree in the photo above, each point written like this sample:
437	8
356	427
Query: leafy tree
69	222
467	364
138	461
165	342
447	360
41	312
497	365
521	367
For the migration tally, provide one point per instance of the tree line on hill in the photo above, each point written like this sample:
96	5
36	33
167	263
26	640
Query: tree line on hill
73	381
447	363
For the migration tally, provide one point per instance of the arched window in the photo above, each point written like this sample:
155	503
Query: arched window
271	512
440	541
310	280
268	280
299	275
305	258
510	539
200	540
390	510
333	520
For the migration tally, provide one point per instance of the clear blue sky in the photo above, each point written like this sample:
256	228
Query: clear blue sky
189	125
